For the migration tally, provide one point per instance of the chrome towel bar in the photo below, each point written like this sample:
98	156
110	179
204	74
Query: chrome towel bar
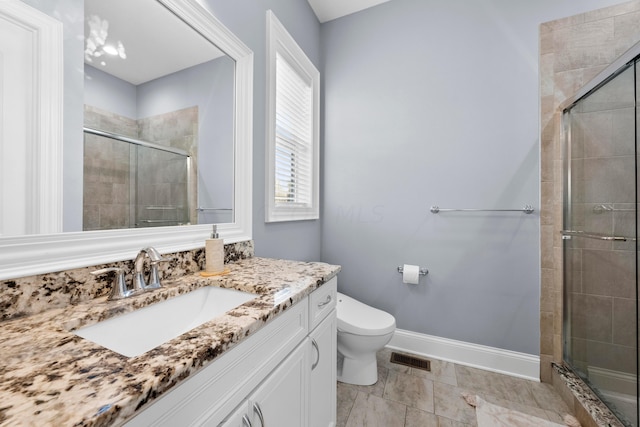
599	209
528	209
567	234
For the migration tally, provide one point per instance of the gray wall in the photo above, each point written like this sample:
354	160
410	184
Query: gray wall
109	93
298	240
436	103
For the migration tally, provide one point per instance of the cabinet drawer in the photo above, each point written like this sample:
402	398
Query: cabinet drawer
322	301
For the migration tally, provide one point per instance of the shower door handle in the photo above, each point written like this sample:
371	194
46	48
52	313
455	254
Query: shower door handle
573	233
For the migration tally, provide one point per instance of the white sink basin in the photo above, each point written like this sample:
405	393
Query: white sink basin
139	331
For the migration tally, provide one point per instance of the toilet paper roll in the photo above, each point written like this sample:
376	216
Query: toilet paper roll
411	274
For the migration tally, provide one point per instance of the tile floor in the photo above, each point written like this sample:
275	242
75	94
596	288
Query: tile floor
409	397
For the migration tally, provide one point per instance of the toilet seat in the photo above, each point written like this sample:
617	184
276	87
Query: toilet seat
357	318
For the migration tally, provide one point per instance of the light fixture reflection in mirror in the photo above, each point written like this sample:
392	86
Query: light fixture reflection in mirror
96	41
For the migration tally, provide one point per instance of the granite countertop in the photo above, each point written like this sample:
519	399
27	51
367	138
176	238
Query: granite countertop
50	376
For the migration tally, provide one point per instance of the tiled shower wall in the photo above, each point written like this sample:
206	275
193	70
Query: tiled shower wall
573	50
107	182
106	172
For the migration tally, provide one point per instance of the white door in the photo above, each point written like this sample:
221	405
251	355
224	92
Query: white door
30	121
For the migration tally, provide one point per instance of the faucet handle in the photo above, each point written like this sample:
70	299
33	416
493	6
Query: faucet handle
154	275
119	289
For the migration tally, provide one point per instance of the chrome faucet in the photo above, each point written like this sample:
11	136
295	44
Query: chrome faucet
139	282
119	288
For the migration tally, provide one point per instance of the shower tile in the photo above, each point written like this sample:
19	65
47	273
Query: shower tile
546	367
557	341
546	343
546	241
615	11
605	355
121	193
610	273
567	81
609	181
546	203
98	193
592	317
624	321
546	331
597	220
91	217
596	130
114	216
627	31
546	66
547	293
624	224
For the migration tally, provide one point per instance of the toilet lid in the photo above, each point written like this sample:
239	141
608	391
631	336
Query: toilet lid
357	318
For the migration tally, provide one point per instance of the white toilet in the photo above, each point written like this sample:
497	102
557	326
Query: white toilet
362	331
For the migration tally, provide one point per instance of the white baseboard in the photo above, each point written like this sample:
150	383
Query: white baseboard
508	362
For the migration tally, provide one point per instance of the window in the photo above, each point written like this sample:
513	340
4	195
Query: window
293	117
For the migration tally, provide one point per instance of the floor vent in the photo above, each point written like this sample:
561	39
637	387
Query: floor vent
412	361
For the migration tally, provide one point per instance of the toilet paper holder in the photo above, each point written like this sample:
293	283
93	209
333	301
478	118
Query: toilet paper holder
423	271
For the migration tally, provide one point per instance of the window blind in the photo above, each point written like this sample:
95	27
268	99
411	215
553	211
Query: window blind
293	136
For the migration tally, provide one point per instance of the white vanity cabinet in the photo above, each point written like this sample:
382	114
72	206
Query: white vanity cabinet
322	339
280	400
302	390
283	375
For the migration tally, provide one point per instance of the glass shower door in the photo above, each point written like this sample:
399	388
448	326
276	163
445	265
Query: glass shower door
131	183
600	243
162	188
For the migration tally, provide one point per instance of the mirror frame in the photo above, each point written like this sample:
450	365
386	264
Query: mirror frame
37	254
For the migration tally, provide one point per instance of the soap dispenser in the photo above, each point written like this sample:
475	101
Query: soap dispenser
214	253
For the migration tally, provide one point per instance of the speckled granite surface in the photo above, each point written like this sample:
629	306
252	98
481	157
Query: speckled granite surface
30	295
51	377
598	411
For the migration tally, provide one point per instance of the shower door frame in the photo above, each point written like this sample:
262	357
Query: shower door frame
146	144
631	58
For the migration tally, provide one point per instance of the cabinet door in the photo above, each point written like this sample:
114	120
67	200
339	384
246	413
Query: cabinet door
281	400
238	418
322	379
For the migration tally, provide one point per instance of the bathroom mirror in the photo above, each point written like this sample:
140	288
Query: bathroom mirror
33	254
158	98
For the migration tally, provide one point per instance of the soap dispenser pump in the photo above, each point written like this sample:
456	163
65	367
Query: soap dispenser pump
214	253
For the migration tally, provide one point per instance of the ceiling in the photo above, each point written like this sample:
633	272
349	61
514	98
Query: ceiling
327	10
154	39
